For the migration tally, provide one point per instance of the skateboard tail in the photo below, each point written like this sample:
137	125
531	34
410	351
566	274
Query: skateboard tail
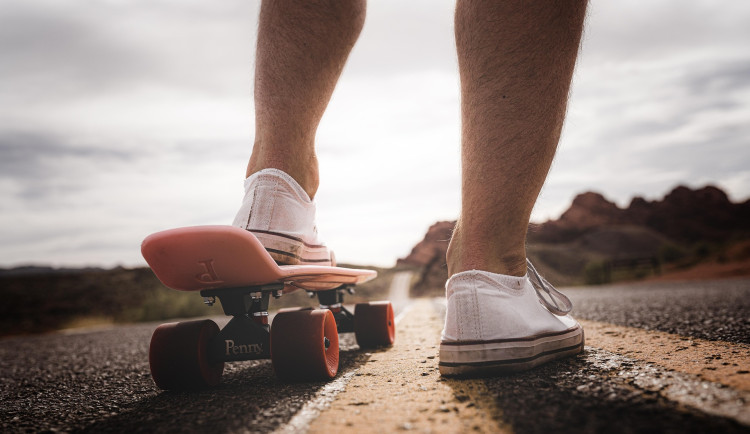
205	257
202	257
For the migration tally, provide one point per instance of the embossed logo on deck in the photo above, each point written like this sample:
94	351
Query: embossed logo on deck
209	275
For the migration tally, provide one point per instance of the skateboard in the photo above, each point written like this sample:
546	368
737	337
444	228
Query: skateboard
230	264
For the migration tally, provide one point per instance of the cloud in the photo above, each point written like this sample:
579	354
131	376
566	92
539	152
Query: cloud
722	78
621	32
60	54
58	50
641	129
120	118
36	168
403	37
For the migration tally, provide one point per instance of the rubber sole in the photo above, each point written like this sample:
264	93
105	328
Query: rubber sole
476	358
289	250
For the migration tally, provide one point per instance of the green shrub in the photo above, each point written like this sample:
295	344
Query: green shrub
702	250
670	253
595	273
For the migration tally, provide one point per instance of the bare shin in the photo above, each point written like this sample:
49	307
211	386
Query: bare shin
516	61
302	49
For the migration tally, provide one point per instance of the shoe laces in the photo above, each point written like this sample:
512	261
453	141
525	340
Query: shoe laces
554	300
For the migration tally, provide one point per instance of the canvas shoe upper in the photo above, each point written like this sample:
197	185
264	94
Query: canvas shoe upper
278	211
499	323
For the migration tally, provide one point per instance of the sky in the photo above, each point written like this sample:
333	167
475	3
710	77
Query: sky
121	118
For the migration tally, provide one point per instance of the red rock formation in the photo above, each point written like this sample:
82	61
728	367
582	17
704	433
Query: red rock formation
684	215
588	210
595	225
429	255
434	245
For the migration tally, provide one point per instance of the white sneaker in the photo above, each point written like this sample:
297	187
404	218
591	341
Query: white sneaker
496	324
278	211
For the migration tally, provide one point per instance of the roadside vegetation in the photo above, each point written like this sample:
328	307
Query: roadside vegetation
40	300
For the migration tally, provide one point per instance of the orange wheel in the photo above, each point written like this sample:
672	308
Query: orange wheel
374	325
305	345
178	355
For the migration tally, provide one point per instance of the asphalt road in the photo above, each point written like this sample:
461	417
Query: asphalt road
99	380
714	310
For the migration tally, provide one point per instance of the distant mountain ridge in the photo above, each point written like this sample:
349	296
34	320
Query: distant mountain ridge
594	230
34	270
684	215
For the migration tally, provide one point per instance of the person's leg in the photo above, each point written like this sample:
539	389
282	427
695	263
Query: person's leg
302	48
516	61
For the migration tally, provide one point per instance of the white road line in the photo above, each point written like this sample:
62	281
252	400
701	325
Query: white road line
400	285
300	423
687	389
684	388
402	314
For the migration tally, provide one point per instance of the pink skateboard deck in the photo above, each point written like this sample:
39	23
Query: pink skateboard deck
206	257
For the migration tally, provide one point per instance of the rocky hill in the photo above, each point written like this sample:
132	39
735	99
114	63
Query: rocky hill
684	215
595	241
429	256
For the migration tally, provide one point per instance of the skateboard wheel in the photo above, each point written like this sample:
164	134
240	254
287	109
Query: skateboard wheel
305	345
374	325
178	355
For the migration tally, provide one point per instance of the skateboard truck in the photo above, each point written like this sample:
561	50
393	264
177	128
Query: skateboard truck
247	336
333	300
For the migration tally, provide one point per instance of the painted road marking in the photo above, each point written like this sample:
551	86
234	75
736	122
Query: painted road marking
400	285
400	388
717	361
399	291
301	421
687	389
